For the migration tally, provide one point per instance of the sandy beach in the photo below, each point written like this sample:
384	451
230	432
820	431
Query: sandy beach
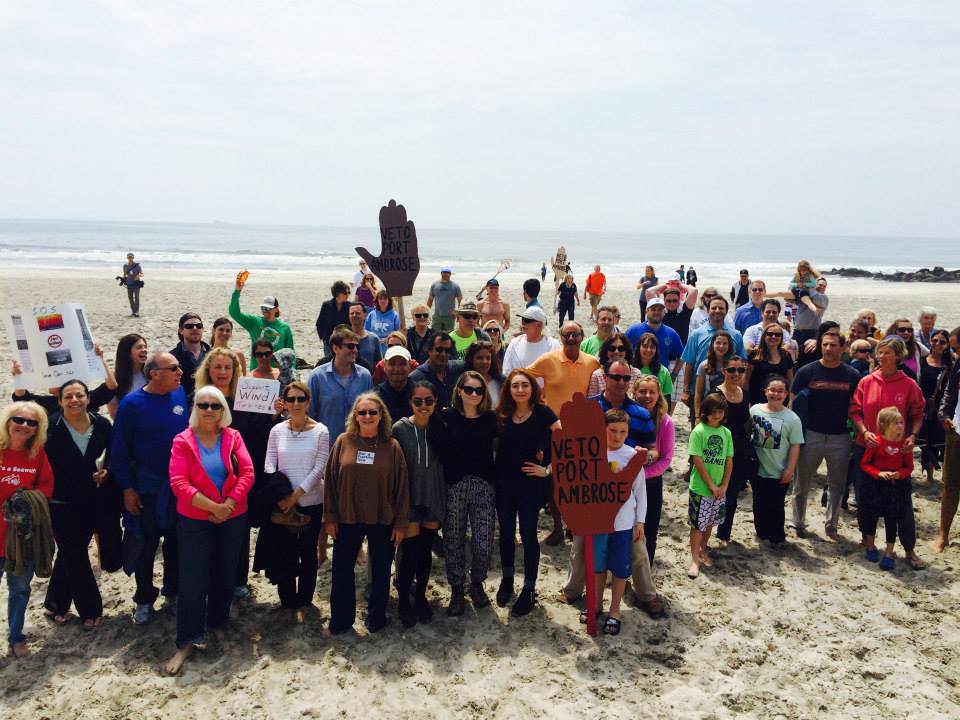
810	631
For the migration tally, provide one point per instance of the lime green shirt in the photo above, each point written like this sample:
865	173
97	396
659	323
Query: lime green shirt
713	446
591	345
663	377
277	333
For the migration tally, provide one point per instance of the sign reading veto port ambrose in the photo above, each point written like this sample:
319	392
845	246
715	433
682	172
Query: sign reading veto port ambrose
398	263
586	490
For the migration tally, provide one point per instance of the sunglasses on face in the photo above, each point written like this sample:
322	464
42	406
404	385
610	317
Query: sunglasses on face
861	350
17	420
773	334
294	399
939	341
350	345
904	329
209	406
617	348
264	354
371	413
618	378
442	350
193	326
471	390
469	317
493	331
173	368
671	300
571	335
422	316
736	370
420	402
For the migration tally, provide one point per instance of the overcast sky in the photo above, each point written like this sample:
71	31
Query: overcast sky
761	117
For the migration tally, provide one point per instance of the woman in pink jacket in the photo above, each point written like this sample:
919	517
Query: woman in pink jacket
210	475
884	387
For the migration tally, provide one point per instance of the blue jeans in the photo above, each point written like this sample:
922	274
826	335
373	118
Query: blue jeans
17	599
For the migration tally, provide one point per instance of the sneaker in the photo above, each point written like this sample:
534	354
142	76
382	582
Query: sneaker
886	563
505	591
456	606
525	602
478	596
872	554
241	592
141	616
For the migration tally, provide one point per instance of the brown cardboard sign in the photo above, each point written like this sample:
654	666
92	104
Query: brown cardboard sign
587	492
398	264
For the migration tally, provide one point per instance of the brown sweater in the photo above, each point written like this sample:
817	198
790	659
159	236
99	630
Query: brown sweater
374	494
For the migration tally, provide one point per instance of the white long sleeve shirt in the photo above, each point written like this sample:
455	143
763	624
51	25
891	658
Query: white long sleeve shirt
302	457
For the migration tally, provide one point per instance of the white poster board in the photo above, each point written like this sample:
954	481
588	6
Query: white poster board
53	344
256	395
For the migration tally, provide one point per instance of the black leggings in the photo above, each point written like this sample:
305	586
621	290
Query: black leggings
894	503
523	503
416	561
298	589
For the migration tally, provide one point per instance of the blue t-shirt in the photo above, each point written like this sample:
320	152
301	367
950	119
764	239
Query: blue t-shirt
746	316
143	435
698	344
642	431
382	324
212	463
671	345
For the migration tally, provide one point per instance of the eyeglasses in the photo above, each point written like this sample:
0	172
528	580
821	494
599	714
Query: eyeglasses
173	368
442	350
296	399
571	335
619	378
371	413
422	316
472	390
209	406
736	370
420	402
772	334
617	348
350	345
265	353
193	326
17	420
904	329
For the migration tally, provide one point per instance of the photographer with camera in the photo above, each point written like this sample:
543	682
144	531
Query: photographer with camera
133	280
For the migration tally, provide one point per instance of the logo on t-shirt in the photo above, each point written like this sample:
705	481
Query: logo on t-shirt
271	335
713	452
766	432
178	409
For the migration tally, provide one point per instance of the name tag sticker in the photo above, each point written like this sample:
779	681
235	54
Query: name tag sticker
365	457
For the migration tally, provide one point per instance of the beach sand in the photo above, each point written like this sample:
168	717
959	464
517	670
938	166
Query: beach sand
810	631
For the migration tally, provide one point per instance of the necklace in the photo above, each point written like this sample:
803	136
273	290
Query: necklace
297	432
518	418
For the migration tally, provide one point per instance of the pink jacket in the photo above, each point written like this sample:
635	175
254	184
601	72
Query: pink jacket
187	476
876	392
666	439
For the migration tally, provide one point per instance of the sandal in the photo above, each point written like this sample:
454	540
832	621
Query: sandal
917	563
872	554
611	626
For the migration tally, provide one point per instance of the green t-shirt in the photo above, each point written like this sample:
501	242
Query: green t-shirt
663	377
462	344
591	345
714	446
277	333
772	434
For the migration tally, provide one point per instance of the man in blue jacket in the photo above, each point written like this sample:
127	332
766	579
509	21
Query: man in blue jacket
147	421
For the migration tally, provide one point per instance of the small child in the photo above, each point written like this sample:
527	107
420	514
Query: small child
804	280
890	494
860	358
614	551
711	453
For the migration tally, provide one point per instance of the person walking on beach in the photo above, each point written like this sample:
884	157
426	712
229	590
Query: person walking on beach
648	281
359	275
543	272
147	421
692	277
133	280
829	385
531	292
740	292
267	325
447	295
595	289
466	333
567	298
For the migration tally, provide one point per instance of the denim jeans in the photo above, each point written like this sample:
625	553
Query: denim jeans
17	598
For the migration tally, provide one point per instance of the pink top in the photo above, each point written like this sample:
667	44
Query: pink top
876	392
666	439
187	476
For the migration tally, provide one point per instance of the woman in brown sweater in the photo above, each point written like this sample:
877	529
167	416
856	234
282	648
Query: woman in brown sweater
366	495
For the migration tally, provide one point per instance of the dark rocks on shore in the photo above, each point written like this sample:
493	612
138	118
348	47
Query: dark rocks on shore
937	274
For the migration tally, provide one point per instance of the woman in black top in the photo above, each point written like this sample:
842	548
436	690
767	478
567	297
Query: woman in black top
931	438
737	421
523	486
85	501
567	298
768	358
464	436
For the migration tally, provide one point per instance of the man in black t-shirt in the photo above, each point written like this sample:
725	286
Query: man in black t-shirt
821	395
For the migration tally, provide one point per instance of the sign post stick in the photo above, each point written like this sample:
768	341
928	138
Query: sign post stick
591	585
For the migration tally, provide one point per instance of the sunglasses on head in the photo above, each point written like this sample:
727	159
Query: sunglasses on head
296	399
17	420
264	353
422	316
209	405
371	413
472	390
420	402
618	378
735	370
193	326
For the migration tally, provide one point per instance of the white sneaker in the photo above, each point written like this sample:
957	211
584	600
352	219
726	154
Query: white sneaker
141	616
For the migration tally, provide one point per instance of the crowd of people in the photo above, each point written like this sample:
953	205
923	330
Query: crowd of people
405	434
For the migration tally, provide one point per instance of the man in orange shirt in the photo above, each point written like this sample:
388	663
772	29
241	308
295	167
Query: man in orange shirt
562	373
596	287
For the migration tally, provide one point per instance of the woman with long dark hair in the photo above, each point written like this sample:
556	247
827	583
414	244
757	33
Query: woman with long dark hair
482	358
221	335
932	367
615	347
710	371
128	367
646	358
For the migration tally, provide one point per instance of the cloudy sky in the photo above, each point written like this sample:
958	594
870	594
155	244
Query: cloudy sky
759	117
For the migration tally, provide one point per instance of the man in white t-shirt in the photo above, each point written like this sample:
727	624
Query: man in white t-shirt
526	348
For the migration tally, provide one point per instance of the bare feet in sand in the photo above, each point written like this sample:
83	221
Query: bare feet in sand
705	560
939	545
693	571
20	649
174	665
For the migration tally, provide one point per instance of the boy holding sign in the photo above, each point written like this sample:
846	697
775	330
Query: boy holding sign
614	551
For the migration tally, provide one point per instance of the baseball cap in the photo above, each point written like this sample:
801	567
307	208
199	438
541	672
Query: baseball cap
744	272
396	351
269	303
467	307
493	282
446	269
534	313
655	302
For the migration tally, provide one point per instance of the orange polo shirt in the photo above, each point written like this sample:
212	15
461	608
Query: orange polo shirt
561	377
595	283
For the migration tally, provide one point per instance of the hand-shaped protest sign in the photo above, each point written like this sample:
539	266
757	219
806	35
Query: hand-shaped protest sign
586	490
398	264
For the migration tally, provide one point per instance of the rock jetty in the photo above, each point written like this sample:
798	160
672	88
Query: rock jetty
936	275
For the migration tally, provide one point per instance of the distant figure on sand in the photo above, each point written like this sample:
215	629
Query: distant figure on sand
133	279
595	289
448	296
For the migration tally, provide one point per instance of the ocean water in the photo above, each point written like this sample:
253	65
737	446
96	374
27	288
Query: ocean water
101	247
